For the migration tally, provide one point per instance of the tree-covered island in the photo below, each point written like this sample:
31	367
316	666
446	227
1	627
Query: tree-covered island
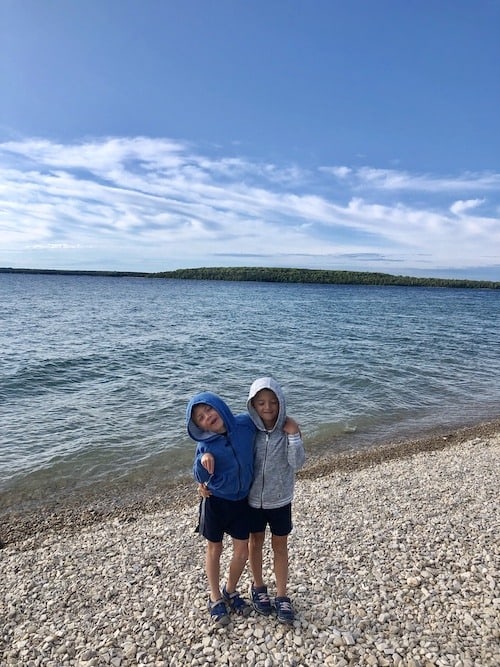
279	275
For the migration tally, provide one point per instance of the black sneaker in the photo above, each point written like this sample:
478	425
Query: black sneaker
236	603
260	600
218	612
284	610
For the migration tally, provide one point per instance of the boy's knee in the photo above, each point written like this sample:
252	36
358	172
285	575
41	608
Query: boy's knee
214	549
280	543
240	551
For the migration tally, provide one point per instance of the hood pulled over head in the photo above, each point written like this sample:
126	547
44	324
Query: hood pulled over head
216	402
271	384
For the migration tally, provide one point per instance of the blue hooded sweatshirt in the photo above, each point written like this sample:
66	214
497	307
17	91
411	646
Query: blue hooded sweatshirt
233	451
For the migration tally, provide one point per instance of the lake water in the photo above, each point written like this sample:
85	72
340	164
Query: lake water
96	372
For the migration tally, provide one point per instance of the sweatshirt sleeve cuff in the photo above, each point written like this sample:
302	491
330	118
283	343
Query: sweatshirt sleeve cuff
295	440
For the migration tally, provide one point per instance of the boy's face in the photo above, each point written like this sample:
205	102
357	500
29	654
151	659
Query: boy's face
267	406
207	418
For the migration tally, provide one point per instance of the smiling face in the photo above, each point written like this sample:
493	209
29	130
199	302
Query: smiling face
266	405
207	418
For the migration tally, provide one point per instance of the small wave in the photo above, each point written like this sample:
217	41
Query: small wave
51	375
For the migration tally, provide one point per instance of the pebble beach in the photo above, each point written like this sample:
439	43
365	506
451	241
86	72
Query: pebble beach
394	560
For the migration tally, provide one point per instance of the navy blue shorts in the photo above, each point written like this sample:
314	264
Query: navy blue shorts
219	516
279	520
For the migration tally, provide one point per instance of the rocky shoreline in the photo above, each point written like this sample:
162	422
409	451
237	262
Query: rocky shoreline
394	560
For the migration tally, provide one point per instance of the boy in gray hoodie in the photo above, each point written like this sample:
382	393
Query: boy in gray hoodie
279	453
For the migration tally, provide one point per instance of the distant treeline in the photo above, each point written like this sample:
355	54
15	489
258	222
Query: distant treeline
75	272
279	275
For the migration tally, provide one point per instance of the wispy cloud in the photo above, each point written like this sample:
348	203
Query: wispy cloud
151	204
390	179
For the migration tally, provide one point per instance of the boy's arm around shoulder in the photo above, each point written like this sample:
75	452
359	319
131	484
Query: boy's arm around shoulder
295	453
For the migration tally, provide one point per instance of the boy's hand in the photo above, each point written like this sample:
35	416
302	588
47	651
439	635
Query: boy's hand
290	426
208	462
203	491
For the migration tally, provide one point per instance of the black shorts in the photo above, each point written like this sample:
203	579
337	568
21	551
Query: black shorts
279	520
219	516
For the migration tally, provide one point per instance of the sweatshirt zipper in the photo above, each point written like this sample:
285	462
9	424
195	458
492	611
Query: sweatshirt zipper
264	470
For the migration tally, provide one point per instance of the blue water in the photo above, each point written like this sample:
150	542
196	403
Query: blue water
96	372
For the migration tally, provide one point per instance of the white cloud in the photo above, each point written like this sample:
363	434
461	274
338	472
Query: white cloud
55	246
153	204
339	172
462	206
392	180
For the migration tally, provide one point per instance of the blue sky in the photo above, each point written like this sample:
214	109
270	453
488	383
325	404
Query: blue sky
149	135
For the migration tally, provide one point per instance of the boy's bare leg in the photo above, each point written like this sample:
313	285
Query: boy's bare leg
280	550
256	544
237	564
212	567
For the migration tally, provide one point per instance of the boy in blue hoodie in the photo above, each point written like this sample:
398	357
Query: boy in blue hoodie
223	464
279	453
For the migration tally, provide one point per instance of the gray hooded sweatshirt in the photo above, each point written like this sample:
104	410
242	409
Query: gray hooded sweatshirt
277	455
